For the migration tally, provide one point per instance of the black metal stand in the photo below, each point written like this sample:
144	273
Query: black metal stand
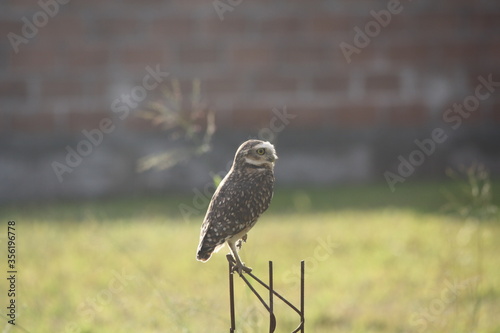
272	292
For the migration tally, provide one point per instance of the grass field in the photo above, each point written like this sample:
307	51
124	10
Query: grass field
376	261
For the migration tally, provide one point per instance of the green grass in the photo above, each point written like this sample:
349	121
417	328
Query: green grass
375	262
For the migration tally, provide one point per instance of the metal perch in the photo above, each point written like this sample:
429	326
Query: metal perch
272	292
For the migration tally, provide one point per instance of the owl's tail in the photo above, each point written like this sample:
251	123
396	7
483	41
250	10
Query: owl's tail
205	251
203	256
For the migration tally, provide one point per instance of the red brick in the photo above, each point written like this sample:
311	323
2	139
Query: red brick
250	118
78	121
274	83
494	51
360	115
367	54
331	83
268	48
494	114
13	89
173	26
112	27
473	80
96	5
382	82
63	29
142	55
189	6
329	24
23	4
89	55
199	54
230	25
147	2
4	122
35	57
255	54
409	53
96	88
222	85
37	122
475	117
11	26
485	22
443	23
458	51
61	87
311	117
304	53
407	115
282	25
398	22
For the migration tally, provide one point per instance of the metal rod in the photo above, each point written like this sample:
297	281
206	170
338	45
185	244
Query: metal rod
272	293
302	301
301	327
275	293
271	310
255	292
231	299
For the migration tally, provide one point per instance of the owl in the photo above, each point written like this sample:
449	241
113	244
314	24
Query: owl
242	196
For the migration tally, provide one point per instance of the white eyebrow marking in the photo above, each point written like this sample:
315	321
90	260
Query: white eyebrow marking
265	144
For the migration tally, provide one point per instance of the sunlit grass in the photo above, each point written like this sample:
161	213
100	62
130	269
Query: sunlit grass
379	265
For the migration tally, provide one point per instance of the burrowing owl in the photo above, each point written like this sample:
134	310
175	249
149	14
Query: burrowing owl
241	197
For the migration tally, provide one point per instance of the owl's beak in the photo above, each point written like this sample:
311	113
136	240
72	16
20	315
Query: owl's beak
272	158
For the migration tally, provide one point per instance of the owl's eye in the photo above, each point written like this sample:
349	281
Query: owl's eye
261	151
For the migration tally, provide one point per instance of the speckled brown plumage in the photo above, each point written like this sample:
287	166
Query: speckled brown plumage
242	196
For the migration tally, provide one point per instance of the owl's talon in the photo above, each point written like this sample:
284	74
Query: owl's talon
235	267
240	269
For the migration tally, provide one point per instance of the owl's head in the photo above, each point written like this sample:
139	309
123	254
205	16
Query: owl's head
256	154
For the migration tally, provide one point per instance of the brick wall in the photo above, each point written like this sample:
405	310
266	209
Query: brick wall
63	63
261	55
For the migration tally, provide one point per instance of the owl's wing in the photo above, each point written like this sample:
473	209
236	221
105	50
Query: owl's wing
235	206
214	230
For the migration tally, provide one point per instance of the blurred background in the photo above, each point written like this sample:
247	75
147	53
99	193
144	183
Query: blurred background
354	103
117	119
